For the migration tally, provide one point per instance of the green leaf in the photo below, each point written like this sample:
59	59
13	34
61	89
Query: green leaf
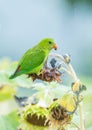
6	92
9	122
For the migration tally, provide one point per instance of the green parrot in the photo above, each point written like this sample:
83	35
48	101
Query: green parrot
34	59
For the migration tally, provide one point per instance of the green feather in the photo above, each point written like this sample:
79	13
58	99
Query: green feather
34	59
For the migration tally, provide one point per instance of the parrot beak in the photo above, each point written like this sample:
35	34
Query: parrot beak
55	46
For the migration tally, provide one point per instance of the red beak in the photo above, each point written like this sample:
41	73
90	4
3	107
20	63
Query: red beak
55	46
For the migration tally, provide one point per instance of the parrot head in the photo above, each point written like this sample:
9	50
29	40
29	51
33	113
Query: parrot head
48	43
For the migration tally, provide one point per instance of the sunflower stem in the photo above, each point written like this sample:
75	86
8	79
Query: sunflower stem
82	120
72	73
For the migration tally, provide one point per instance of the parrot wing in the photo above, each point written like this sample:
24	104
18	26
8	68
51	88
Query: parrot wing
32	60
29	62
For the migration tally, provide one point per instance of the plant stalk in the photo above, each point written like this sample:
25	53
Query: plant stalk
71	72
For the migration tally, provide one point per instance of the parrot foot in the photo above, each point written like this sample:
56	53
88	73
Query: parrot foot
42	73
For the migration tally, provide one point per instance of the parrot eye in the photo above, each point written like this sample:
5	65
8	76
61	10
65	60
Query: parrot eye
50	42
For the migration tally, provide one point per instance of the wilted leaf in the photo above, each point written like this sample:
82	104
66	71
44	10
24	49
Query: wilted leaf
69	101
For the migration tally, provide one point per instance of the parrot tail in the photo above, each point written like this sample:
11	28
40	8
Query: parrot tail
15	73
12	76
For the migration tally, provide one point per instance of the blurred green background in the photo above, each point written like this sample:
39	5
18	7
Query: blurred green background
23	23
